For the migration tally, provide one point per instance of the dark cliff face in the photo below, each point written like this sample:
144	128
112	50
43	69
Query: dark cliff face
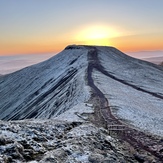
52	87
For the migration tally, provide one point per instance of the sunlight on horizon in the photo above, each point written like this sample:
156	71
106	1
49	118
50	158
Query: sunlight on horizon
97	35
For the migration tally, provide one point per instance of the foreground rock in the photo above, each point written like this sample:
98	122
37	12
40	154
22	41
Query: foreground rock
51	141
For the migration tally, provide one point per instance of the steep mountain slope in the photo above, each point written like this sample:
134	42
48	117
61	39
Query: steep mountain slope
133	88
46	89
50	88
71	96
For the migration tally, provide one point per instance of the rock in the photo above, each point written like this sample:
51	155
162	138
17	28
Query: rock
25	144
40	138
2	141
50	160
28	154
82	143
109	160
139	158
161	150
68	152
57	155
95	158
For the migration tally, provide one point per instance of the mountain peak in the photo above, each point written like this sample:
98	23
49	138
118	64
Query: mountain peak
87	47
84	94
51	88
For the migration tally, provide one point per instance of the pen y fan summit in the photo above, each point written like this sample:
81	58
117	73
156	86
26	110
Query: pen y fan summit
66	82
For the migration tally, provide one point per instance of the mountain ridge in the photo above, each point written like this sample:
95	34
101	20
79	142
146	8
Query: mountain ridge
86	96
72	62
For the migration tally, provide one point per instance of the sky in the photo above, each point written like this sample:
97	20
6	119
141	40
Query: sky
45	26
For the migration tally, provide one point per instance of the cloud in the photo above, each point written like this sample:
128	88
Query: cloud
9	64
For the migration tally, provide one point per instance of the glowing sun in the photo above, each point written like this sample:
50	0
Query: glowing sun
97	35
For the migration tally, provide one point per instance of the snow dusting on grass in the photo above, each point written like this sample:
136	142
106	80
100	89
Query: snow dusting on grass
75	113
139	109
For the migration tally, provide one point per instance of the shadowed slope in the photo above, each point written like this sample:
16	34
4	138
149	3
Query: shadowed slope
45	90
48	89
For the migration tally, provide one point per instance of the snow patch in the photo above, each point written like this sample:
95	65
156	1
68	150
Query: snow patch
139	109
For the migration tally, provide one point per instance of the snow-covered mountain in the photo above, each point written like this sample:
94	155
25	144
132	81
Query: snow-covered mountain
48	89
75	100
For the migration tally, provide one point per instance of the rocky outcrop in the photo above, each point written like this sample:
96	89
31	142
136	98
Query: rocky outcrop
52	141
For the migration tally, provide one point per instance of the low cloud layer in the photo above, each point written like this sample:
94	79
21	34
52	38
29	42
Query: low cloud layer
9	64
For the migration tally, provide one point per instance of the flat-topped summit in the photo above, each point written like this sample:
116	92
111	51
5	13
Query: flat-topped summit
80	96
50	88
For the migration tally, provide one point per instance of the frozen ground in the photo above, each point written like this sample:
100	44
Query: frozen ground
57	141
78	113
139	109
140	73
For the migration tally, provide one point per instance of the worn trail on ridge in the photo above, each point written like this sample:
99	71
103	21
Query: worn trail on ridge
103	106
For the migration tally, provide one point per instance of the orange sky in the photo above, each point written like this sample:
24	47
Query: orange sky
39	26
43	45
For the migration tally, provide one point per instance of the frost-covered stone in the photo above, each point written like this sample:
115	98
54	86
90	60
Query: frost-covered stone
82	142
